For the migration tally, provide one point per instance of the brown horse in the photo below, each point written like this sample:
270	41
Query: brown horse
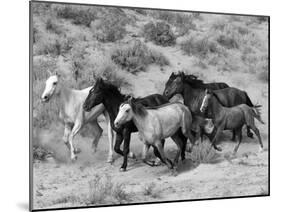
233	118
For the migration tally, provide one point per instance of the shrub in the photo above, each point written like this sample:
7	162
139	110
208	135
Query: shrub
182	21
150	190
228	42
136	57
109	29
263	76
80	15
41	154
53	27
43	114
199	46
160	33
203	153
103	190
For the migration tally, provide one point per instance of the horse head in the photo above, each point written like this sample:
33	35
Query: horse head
174	85
95	95
51	85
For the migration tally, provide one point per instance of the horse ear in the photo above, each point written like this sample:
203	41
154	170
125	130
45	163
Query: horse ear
57	74
49	72
208	91
173	74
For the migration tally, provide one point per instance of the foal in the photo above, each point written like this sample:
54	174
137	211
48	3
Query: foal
233	118
73	116
157	123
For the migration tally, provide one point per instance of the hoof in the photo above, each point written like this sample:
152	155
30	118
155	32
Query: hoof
94	149
261	149
131	155
157	162
174	172
74	158
250	135
218	148
77	150
122	169
110	160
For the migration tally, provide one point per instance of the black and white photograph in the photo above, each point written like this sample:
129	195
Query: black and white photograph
139	105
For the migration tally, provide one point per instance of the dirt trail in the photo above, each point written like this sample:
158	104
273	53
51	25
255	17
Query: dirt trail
245	174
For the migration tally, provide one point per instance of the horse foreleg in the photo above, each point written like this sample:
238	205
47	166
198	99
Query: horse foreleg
162	154
75	130
144	154
118	142
220	128
111	138
67	131
126	149
97	131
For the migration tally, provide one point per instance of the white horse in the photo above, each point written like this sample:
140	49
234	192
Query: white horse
73	116
157	123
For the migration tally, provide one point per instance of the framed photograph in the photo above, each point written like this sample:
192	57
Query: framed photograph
140	105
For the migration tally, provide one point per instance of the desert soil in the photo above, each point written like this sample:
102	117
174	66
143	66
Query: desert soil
61	183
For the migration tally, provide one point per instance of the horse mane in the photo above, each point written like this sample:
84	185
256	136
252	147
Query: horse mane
193	81
160	106
110	88
138	108
218	99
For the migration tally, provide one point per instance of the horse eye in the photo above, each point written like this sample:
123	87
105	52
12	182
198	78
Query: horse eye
127	111
55	83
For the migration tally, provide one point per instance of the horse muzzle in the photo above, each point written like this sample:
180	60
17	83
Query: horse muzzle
117	125
45	99
86	108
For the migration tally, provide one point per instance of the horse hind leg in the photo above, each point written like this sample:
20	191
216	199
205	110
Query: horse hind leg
249	133
162	155
257	132
239	139
179	142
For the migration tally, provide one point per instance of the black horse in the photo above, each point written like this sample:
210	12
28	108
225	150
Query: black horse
193	90
110	96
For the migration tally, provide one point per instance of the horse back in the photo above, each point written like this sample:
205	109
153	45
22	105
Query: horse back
153	100
216	85
231	96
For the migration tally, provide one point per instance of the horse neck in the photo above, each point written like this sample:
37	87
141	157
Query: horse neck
140	122
215	108
112	103
62	95
193	97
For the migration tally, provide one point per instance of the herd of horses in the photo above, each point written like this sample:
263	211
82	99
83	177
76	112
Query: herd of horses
207	110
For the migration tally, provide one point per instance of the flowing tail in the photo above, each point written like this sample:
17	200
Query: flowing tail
257	113
249	102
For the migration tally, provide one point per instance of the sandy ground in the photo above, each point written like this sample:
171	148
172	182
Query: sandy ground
61	183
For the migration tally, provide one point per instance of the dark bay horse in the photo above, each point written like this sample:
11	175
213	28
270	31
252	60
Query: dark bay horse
110	96
231	118
193	90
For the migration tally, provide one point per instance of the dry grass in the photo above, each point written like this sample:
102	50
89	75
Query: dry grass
203	153
160	33
102	190
150	190
136	56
